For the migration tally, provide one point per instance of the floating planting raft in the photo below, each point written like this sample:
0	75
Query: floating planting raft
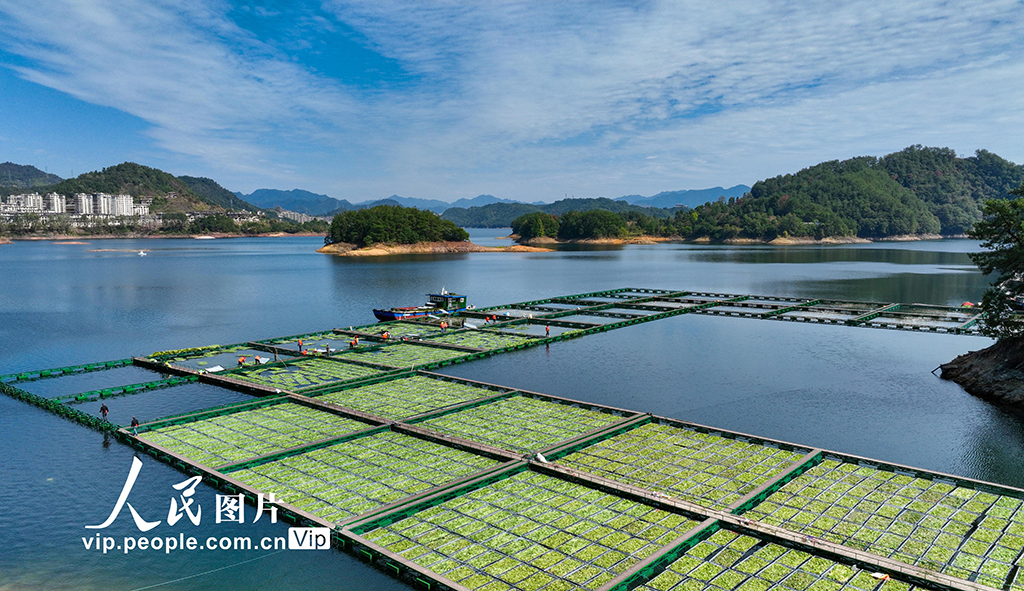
450	483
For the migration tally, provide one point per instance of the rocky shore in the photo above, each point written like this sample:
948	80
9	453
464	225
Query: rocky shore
778	241
995	373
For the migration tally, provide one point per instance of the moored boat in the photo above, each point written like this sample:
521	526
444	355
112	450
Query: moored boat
437	304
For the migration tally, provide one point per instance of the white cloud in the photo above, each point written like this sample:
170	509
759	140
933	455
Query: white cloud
208	88
534	99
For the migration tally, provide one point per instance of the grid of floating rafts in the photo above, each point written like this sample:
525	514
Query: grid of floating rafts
219	357
406	355
482	339
361	474
919	317
406	397
63	386
520	423
729	561
704	468
586	318
243	435
304	374
540	328
316	343
935	524
399	329
531	531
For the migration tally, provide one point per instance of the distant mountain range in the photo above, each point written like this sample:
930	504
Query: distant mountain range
310	203
916	191
188	193
690	198
317	204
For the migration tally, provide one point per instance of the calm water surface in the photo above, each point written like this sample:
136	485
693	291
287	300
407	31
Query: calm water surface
861	391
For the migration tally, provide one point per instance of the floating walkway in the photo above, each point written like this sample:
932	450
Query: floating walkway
450	483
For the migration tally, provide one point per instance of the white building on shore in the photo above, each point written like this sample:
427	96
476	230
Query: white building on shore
78	204
82	204
56	203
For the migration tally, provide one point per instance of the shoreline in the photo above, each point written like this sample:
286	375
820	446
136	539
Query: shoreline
777	241
350	250
71	238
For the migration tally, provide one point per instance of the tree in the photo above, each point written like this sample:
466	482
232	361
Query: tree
595	223
535	225
1002	233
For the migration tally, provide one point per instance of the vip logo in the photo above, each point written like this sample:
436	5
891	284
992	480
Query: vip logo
309	538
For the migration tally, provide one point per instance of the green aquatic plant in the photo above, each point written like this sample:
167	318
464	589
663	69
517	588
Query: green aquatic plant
520	423
397	399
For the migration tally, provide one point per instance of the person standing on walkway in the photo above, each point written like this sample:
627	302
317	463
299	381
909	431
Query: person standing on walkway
104	410
135	426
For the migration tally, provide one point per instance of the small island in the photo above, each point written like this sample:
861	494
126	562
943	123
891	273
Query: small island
392	229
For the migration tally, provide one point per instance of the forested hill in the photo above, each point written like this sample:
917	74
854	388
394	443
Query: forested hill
500	215
918	190
22	176
170	194
211	190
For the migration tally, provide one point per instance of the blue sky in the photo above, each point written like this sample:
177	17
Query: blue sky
522	100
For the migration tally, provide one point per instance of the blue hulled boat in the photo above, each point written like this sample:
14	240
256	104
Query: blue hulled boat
437	304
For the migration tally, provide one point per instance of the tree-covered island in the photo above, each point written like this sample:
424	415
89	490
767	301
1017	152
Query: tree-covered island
393	229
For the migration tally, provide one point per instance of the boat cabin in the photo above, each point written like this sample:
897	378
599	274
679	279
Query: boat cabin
447	301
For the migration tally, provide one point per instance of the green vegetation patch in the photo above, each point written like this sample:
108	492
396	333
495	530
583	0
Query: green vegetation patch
406	355
934	524
317	343
399	329
406	397
728	561
203	358
356	476
486	539
244	435
307	373
392	224
521	423
482	339
703	468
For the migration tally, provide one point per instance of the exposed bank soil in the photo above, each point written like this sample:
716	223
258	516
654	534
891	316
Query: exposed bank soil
377	250
995	373
635	240
779	241
5	241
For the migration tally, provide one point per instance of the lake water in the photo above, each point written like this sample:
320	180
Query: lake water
860	391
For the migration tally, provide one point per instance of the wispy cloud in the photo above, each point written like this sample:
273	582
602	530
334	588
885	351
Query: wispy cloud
207	88
533	99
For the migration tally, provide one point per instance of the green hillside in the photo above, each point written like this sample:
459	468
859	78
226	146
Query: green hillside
170	194
20	176
211	191
918	190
